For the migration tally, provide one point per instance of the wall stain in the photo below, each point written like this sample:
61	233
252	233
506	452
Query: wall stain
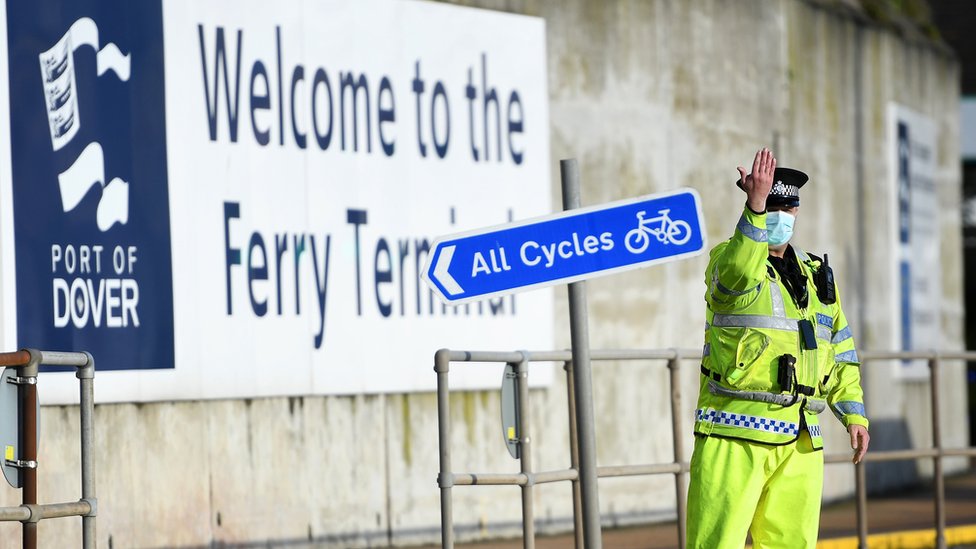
470	413
407	430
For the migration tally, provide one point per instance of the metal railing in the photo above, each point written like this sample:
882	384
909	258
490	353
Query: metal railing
527	478
27	363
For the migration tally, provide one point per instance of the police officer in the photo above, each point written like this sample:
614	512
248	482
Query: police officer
778	351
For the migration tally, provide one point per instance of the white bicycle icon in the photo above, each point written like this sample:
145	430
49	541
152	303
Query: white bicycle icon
662	227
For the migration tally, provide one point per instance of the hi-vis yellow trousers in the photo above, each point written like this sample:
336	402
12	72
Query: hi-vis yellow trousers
772	492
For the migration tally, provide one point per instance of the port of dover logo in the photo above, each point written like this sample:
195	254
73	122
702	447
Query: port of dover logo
91	201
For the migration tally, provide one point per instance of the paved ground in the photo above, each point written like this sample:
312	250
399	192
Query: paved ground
908	511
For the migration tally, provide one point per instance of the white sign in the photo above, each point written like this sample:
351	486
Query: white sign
913	168
313	150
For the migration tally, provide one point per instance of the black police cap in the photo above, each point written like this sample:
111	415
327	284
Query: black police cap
786	187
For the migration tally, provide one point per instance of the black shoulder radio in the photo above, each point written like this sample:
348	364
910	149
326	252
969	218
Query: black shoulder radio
824	280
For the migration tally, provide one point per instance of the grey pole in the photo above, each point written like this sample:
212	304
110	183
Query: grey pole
579	336
860	477
938	473
674	367
442	365
86	375
574	457
525	451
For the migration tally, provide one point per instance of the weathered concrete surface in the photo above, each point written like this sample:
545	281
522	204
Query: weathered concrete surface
648	96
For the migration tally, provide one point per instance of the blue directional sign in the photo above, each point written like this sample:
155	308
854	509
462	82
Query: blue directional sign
566	247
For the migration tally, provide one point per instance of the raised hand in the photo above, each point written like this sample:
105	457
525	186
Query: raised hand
758	183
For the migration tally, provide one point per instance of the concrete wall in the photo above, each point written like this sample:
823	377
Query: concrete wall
648	96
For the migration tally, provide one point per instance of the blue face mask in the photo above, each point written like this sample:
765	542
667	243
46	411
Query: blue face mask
779	227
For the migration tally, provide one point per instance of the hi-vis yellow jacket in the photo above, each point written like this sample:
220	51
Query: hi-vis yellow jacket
752	321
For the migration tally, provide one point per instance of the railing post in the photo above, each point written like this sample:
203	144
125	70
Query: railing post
28	412
674	369
574	456
525	451
86	380
442	365
940	517
862	505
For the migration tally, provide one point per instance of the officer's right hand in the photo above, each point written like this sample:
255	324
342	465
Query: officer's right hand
758	183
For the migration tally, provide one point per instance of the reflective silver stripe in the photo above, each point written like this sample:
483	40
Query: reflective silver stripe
754	321
759	321
751	231
848	407
814	405
800	254
728	291
706	350
846	356
776	293
842	335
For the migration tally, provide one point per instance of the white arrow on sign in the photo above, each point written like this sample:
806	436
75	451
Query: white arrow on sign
441	274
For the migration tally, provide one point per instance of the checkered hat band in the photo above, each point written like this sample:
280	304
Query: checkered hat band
782	189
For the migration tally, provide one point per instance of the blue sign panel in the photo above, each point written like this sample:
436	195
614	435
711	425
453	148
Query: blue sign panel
90	194
566	247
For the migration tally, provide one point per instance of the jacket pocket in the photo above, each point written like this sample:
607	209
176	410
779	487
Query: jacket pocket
753	365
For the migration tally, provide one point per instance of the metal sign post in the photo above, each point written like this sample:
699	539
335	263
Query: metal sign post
580	339
28	414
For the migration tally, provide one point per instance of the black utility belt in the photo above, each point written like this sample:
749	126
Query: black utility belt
786	376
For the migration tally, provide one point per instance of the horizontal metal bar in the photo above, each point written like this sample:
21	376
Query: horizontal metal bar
513	479
564	356
892	355
46	511
898	455
63	358
956	355
637	470
556	476
18	514
16	358
917	355
67	509
550	356
888	455
619	354
667	354
645	354
485	356
959	452
672	468
493	479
